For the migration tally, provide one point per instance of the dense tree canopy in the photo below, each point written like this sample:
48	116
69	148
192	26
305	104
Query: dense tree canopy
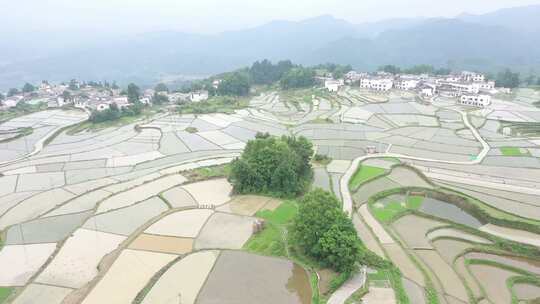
415	70
161	87
12	92
324	232
264	72
133	93
279	166
27	88
507	79
236	84
298	77
159	98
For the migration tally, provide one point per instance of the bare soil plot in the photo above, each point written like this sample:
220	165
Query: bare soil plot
493	280
77	262
179	197
127	276
187	223
338	166
45	293
225	231
398	256
7	184
449	279
245	204
160	243
183	281
413	229
211	192
9	200
21	262
268	280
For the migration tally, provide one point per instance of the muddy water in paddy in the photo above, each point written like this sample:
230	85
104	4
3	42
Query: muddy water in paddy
240	277
449	212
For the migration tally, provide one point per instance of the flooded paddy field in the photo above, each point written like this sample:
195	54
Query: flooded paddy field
269	280
80	215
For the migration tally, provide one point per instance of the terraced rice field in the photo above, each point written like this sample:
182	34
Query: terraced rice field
108	216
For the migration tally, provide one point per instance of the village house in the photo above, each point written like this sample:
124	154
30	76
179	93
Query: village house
377	84
475	100
198	96
333	85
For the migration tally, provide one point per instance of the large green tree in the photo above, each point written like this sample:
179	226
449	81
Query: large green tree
273	165
298	77
324	232
508	79
27	88
133	93
236	84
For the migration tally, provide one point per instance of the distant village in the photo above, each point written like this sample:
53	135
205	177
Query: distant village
468	88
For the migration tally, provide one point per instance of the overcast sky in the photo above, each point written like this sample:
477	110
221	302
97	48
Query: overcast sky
207	16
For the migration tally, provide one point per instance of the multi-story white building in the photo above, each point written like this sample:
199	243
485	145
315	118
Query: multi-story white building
475	100
406	84
377	84
472	77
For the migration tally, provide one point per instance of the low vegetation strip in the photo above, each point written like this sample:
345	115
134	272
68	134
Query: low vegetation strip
363	174
513	151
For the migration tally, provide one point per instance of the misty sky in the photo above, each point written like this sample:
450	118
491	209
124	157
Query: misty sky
133	16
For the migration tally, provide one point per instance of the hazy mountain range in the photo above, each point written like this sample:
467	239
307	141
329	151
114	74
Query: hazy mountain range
489	42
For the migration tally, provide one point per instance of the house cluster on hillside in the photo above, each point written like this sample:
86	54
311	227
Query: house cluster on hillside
468	88
91	96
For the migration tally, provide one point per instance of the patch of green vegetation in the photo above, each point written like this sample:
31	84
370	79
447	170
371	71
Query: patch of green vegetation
389	211
200	174
363	174
214	104
192	130
278	166
271	240
5	292
512	151
21	132
22	108
322	159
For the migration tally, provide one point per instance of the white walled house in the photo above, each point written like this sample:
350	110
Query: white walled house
475	100
406	84
198	96
377	84
332	85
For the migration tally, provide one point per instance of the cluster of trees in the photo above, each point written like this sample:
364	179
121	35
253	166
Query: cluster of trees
298	77
324	232
114	112
415	70
337	70
234	84
507	79
278	166
264	72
